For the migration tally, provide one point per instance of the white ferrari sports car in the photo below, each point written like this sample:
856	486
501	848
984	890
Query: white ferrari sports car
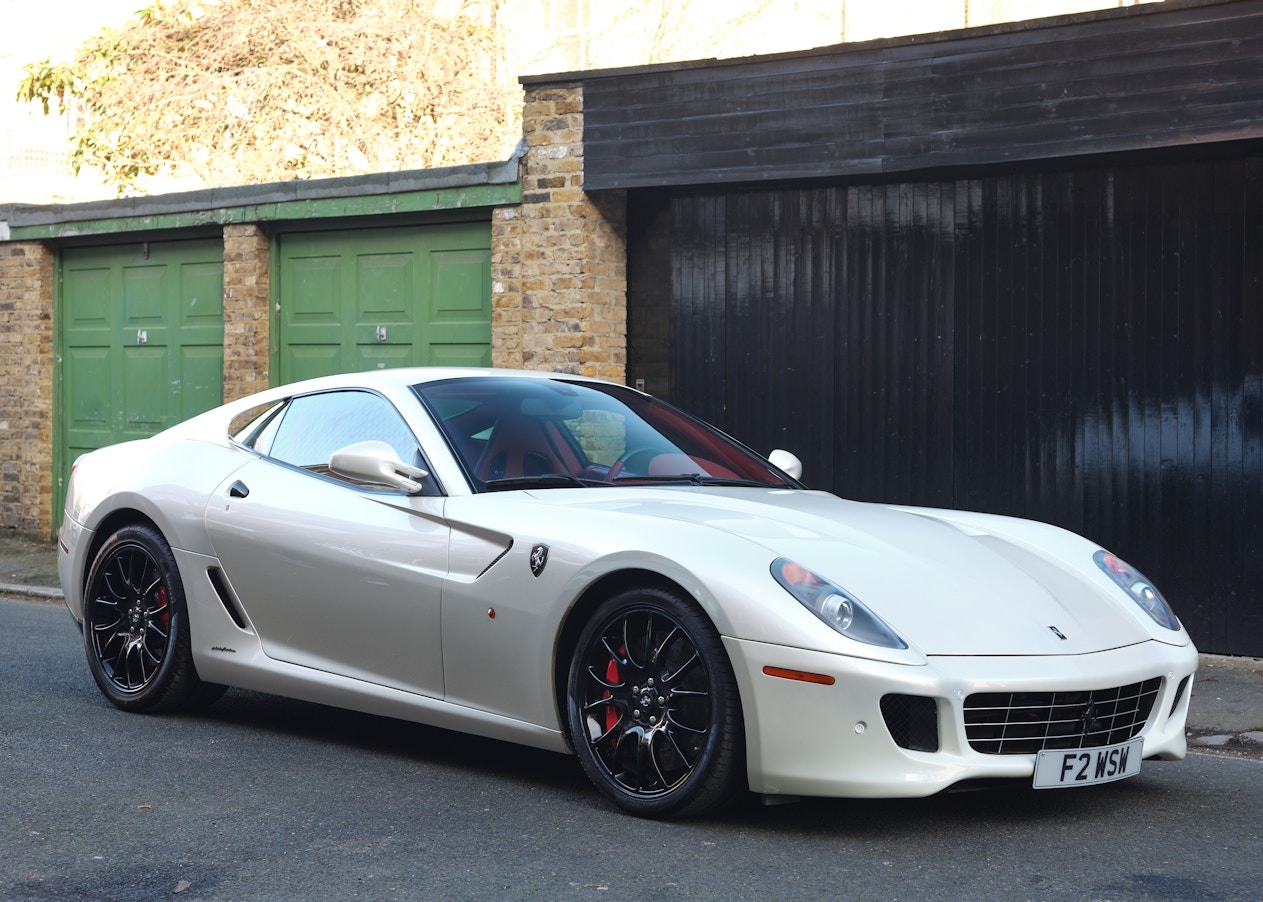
577	566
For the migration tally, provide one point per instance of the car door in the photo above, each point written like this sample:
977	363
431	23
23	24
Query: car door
334	575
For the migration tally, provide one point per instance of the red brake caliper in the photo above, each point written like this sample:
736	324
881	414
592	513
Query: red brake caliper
611	676
165	617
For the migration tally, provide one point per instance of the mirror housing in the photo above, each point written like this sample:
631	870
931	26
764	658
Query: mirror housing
377	463
788	463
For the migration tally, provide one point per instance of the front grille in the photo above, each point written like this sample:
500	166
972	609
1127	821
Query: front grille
1023	723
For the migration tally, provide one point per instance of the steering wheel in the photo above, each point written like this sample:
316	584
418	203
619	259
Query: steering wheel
636	459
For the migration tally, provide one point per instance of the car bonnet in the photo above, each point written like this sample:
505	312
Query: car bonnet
947	588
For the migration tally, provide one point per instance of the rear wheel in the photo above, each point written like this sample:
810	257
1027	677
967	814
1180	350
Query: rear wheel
135	626
653	708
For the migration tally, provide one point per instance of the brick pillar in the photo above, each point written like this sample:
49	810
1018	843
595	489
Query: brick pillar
26	387
247	324
559	261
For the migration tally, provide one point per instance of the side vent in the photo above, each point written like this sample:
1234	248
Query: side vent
220	585
499	558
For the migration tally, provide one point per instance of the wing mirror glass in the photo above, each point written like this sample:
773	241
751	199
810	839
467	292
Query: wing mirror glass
788	463
376	462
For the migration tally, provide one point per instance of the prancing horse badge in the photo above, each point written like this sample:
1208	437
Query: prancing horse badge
539	558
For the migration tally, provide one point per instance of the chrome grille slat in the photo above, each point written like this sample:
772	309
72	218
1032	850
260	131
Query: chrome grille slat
1023	723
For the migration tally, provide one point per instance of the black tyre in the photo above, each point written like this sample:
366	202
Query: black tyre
653	708
135	626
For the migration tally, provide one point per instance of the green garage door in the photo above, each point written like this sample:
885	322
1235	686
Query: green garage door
141	337
375	298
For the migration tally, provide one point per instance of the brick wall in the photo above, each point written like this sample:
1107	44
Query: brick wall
26	383
246	316
559	270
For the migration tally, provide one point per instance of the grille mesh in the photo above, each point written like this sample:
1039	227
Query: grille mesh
1023	723
912	721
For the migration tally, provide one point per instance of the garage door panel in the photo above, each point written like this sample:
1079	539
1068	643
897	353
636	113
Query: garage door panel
145	294
376	357
145	387
86	297
202	295
201	383
406	296
461	285
317	294
385	287
88	409
309	361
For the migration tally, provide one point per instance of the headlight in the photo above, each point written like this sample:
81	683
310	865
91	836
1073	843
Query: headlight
1139	589
834	605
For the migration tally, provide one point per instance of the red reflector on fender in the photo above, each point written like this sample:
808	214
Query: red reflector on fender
803	676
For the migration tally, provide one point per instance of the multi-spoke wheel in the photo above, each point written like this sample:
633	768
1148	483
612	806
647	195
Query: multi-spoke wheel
652	706
135	626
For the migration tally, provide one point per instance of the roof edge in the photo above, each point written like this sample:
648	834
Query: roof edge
206	202
847	47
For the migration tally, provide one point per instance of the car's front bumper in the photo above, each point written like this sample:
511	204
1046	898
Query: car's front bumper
812	739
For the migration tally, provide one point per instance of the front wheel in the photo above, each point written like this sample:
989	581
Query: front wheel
653	708
135	626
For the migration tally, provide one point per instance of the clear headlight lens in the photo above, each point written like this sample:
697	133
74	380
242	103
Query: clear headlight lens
834	605
1139	589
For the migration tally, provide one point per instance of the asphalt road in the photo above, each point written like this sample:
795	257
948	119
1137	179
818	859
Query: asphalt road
263	798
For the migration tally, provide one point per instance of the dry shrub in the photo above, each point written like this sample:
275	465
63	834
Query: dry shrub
248	91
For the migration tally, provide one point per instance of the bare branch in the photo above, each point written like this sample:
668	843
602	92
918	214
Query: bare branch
246	91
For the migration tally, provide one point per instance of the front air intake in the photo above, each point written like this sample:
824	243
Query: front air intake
912	721
1024	723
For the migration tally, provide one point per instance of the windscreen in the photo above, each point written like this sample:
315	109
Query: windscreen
515	432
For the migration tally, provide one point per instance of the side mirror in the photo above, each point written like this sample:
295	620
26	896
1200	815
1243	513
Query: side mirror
787	462
376	462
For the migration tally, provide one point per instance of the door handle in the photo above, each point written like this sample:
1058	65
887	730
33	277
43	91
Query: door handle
238	490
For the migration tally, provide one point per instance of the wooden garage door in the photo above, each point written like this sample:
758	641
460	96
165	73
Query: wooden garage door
375	298
141	340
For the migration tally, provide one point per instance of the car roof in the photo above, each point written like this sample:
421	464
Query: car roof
404	376
388	381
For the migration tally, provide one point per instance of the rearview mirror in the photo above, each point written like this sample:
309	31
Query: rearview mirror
376	462
788	463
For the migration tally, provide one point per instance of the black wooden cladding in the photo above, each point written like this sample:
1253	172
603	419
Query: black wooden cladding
1083	347
1119	80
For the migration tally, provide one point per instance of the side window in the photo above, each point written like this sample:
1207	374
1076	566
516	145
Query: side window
314	426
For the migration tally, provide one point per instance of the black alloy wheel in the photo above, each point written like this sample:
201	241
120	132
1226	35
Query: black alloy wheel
135	626
653	707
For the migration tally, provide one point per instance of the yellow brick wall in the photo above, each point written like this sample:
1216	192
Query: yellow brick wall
247	324
559	268
26	383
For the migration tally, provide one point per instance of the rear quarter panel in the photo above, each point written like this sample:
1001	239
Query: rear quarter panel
166	481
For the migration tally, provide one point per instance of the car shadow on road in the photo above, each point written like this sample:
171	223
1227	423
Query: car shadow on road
990	807
386	735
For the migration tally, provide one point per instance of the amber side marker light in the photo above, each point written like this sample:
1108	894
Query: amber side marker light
803	676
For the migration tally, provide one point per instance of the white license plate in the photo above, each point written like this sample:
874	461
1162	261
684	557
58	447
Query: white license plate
1087	767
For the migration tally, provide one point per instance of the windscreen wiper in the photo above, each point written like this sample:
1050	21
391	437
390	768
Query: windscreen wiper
696	479
544	481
